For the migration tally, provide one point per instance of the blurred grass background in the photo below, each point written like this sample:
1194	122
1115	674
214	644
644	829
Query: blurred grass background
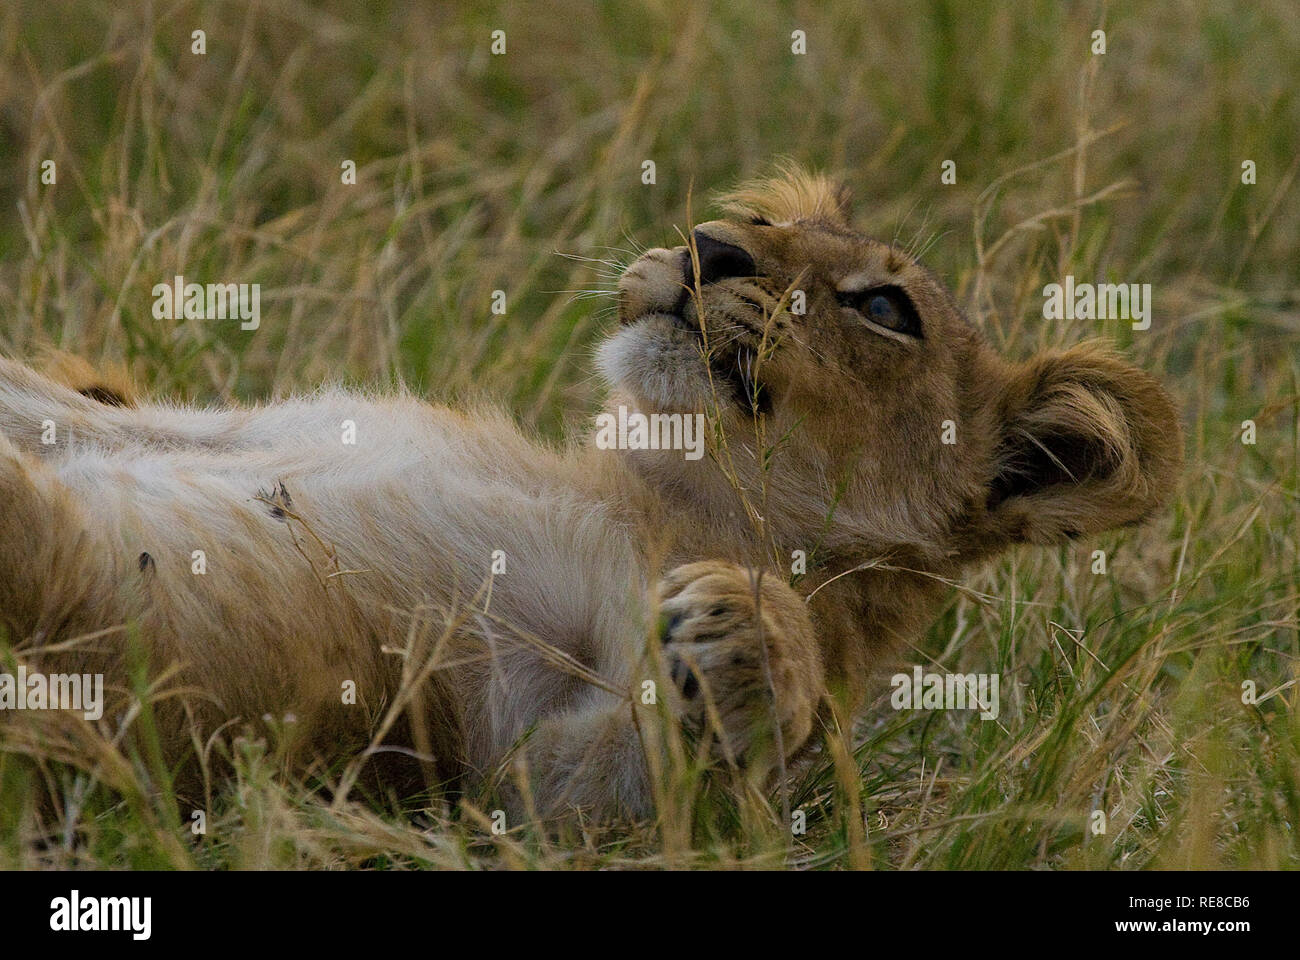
1121	692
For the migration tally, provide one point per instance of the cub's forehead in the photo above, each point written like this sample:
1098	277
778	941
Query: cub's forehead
856	262
837	253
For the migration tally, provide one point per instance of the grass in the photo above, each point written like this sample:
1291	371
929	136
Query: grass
1122	691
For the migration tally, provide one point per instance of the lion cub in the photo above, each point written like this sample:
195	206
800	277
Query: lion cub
378	567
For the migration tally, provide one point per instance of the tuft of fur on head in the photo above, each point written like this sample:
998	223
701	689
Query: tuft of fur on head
107	383
791	194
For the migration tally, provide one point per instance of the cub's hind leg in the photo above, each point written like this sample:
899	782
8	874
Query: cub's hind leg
55	578
41	415
105	383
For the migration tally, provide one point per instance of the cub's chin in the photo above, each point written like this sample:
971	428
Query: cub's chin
655	361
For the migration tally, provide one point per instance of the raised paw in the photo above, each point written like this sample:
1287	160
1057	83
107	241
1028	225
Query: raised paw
715	630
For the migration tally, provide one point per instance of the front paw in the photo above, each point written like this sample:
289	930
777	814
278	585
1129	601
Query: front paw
715	633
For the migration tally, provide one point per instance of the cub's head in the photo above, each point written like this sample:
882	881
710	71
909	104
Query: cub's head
848	382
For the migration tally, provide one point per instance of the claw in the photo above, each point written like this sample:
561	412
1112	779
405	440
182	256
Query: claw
692	686
684	677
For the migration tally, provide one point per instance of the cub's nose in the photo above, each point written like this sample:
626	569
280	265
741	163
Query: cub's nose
719	260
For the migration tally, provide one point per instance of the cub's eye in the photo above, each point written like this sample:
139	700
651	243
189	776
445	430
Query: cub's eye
887	307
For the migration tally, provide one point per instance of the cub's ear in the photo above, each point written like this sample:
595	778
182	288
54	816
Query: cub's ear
1088	442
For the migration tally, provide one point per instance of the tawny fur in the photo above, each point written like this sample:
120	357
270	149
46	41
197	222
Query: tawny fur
330	563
